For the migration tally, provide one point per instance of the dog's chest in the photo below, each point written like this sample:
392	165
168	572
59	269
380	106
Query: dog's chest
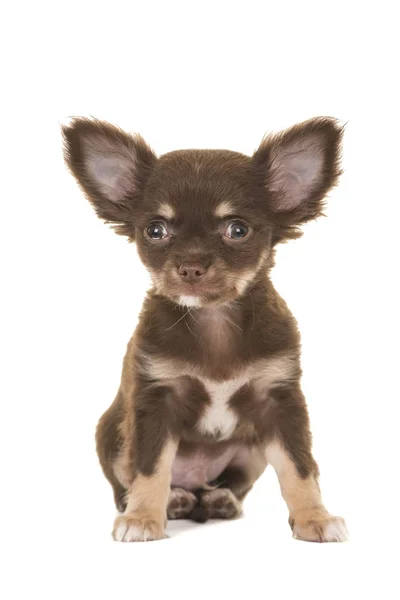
215	407
219	419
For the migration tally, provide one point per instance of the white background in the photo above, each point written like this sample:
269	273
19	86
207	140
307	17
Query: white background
194	74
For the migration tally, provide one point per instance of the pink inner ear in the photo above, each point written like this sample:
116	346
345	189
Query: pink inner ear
111	174
294	172
110	164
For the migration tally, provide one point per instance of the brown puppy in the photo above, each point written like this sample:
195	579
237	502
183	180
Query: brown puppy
210	390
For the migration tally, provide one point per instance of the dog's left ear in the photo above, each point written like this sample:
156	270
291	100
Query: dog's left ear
298	167
111	166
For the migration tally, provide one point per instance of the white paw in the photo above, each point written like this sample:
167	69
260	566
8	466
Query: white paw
130	528
336	531
320	528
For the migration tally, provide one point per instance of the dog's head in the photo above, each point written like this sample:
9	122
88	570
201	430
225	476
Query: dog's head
205	221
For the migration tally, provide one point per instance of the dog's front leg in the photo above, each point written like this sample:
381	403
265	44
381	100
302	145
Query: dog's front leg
290	455
153	450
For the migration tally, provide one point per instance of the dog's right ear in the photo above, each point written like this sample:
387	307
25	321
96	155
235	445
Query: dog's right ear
298	167
111	166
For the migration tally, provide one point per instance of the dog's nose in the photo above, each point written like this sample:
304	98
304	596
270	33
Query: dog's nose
191	271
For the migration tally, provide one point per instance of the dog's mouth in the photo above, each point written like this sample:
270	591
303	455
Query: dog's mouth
199	295
219	288
196	289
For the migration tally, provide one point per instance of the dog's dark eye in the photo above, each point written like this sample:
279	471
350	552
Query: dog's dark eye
236	230
157	231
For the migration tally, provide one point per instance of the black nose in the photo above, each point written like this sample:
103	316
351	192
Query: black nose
191	271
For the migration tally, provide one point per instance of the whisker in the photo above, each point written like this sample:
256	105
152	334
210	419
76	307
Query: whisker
252	304
180	319
187	325
193	317
226	319
235	303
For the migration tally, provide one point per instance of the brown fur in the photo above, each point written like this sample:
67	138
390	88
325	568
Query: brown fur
241	335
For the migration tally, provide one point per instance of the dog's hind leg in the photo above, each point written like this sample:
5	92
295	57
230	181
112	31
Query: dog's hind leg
231	487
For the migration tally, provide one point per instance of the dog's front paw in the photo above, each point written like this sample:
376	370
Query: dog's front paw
135	528
318	526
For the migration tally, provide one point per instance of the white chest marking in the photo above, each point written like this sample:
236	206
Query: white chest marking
263	375
218	417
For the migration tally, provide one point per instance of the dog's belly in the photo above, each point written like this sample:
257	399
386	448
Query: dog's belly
195	466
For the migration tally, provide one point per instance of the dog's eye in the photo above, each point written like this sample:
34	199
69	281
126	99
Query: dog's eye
236	230
157	231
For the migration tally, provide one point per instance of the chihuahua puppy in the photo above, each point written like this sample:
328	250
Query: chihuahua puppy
210	389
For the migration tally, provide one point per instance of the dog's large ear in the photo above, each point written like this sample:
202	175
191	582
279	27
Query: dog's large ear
298	167
112	168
